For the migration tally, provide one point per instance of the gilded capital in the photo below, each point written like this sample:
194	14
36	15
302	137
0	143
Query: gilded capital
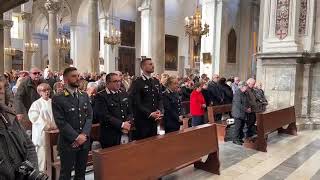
52	6
26	16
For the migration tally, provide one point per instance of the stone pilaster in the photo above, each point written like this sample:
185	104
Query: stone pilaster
26	18
158	35
1	44
93	36
52	8
7	43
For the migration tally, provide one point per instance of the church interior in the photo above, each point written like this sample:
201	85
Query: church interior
276	42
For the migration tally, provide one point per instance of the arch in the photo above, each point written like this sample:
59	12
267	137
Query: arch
232	47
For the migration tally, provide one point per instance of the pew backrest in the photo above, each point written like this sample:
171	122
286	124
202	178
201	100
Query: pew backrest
212	110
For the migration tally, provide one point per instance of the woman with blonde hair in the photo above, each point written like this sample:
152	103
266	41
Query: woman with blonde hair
41	117
172	105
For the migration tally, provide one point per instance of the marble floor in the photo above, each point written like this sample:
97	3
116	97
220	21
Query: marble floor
288	158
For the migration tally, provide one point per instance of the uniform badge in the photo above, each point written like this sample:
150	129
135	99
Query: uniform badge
66	93
146	86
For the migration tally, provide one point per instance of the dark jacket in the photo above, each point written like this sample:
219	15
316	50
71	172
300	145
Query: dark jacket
226	93
15	144
145	97
111	110
185	93
26	95
172	111
215	94
239	105
73	116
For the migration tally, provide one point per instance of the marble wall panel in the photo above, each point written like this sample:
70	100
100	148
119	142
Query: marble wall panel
315	92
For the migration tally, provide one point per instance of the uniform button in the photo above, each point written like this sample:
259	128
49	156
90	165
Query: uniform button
121	110
122	116
79	109
80	128
79	115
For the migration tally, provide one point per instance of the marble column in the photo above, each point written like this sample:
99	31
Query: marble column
7	43
1	44
26	18
93	28
158	35
108	53
36	56
145	22
52	8
306	91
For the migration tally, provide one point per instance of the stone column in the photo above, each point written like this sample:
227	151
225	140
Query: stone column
52	8
145	29
37	56
93	28
1	44
7	43
158	35
26	18
108	53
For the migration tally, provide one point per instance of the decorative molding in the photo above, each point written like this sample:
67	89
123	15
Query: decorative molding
52	6
282	18
303	17
7	24
26	16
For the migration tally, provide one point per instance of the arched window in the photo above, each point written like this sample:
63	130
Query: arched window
232	47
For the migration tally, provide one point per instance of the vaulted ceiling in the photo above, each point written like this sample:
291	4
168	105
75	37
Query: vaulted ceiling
9	4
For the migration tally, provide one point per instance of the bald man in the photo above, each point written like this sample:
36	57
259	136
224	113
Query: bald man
252	100
27	93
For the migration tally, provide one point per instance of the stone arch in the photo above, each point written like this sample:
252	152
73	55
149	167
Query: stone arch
232	46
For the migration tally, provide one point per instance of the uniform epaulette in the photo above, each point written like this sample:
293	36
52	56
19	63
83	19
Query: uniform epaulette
101	91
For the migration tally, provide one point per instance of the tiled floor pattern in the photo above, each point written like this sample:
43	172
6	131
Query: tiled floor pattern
288	157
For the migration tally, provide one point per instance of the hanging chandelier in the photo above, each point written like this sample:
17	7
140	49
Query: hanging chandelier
113	36
10	51
193	26
63	43
31	47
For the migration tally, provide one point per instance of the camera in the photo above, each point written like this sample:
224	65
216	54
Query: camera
26	169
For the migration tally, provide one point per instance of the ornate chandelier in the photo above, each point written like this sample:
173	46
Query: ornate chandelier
31	47
193	26
10	51
63	43
113	37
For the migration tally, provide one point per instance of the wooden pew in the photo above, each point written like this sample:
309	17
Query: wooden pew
272	120
221	125
157	156
53	162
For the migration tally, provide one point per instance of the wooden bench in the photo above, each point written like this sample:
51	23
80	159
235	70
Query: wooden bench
221	125
53	162
157	156
270	121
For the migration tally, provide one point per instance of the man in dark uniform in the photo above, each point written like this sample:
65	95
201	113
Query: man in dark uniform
113	111
145	98
73	115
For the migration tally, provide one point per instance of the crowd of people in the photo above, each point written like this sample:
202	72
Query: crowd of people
127	108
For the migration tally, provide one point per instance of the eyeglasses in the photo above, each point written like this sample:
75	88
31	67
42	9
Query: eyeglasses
44	90
116	81
36	73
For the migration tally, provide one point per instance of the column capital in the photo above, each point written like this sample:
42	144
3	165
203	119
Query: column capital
26	16
7	24
52	6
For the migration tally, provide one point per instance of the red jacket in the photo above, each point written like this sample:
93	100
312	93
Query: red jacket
196	101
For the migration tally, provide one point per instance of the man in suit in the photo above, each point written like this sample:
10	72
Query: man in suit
145	98
73	116
113	111
240	107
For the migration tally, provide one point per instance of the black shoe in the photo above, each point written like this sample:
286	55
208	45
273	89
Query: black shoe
237	142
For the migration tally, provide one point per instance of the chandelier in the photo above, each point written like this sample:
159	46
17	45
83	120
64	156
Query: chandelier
63	43
10	51
113	37
193	26
31	47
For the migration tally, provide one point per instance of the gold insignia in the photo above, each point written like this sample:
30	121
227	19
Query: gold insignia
66	93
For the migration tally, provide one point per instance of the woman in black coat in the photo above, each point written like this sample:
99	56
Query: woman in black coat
172	106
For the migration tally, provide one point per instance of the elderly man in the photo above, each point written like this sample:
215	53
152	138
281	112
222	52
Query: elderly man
92	89
122	87
215	94
252	100
234	85
27	94
240	107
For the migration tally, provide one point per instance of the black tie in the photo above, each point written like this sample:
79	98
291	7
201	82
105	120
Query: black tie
75	95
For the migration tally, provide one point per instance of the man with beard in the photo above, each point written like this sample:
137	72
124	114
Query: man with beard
145	97
73	116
